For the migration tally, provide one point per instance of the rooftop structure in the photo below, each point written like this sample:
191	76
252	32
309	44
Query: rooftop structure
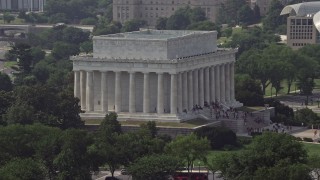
151	44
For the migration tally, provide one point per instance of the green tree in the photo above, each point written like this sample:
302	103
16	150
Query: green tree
24	57
197	14
5	82
107	146
266	152
154	167
20	113
86	47
189	148
246	15
62	50
7	18
58	18
23	169
306	116
218	137
6	100
73	161
229	11
284	170
272	19
204	26
150	126
133	25
74	35
179	20
248	91
140	144
161	23
110	125
37	54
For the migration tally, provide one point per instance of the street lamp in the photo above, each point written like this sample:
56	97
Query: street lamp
199	166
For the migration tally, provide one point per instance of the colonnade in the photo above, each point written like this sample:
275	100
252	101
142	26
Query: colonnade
187	88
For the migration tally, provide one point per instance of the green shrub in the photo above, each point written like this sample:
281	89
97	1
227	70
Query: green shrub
88	21
228	147
299	139
308	139
256	133
218	136
242	140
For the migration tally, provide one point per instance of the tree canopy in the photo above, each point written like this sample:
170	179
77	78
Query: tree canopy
270	155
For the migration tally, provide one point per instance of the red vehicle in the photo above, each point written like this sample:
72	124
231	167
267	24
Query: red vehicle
193	175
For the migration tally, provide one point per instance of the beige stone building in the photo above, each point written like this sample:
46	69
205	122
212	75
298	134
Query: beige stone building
151	10
154	75
26	5
301	24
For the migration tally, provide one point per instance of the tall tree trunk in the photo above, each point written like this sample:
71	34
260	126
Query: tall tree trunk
289	87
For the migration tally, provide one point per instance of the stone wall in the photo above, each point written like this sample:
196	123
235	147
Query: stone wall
173	132
159	45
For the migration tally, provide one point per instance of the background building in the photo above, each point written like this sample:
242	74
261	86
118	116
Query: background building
300	24
26	5
151	10
154	75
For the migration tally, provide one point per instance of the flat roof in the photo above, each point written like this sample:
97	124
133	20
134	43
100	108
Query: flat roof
152	34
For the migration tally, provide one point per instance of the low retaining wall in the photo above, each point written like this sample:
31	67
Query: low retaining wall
171	131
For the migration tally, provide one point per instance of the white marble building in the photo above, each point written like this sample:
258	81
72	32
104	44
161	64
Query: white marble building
153	73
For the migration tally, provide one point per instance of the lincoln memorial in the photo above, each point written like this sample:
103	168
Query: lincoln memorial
154	74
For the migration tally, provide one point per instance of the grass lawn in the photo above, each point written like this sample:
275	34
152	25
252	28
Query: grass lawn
187	124
284	89
9	64
16	21
317	83
312	149
235	30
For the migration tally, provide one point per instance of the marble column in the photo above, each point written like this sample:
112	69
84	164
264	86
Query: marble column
190	89
196	86
160	107
132	92
104	92
207	85
146	93
77	84
83	79
185	90
232	96
227	68
222	84
173	94
180	107
117	92
212	84
217	82
201	87
89	91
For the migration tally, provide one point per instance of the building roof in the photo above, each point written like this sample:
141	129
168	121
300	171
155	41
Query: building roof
316	21
302	9
150	34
